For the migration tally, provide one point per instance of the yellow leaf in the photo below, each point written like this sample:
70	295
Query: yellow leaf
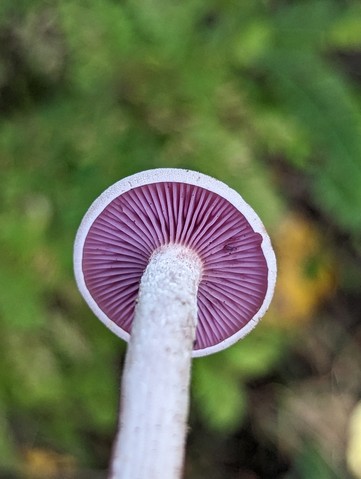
42	463
306	272
353	451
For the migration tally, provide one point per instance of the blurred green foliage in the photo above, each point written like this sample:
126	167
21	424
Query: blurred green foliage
91	91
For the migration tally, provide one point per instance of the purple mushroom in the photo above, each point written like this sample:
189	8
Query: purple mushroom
176	263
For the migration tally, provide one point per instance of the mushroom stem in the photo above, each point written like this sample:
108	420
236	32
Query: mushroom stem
156	376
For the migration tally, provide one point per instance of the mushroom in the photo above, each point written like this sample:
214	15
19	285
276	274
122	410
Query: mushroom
176	263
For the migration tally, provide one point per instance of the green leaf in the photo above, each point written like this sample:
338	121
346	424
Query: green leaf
219	395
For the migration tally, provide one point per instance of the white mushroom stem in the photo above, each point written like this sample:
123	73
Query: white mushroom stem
156	376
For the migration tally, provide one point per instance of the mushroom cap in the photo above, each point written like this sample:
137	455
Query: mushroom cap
143	212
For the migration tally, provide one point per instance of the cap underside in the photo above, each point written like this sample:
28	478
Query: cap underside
133	225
